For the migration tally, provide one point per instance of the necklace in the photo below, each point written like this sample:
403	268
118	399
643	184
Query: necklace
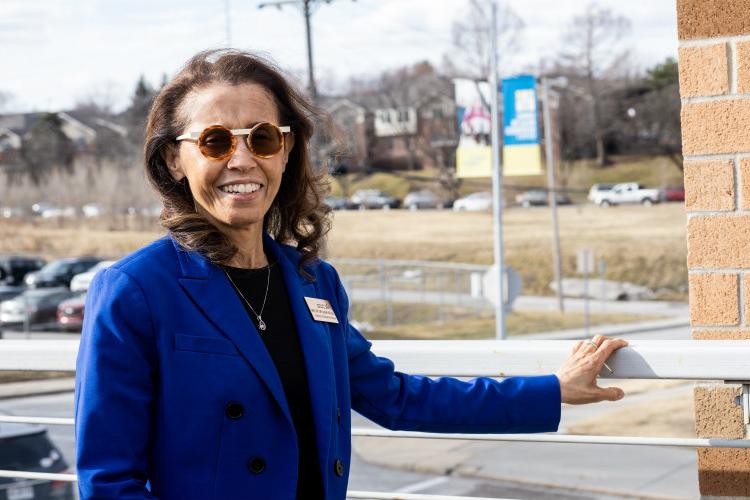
261	323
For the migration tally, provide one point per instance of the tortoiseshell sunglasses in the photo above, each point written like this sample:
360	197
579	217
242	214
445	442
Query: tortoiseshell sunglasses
216	142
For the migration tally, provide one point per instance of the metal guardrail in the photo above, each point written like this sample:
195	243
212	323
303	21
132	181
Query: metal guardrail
648	359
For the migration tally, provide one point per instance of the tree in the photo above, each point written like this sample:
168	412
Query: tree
136	115
653	107
594	55
470	57
46	149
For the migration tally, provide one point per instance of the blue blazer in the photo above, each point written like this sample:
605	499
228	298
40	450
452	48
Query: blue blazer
178	398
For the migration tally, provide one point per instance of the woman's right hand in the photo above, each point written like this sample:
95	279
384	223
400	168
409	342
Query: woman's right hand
578	374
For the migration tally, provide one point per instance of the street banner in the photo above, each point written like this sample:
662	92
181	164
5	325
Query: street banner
474	152
521	150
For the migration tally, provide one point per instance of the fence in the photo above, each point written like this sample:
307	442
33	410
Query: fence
453	289
654	359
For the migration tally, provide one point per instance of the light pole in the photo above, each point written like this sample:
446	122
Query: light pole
551	183
497	184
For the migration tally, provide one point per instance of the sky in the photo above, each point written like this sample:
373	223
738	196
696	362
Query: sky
56	53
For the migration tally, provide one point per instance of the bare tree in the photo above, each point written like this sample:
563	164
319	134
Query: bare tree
593	51
470	57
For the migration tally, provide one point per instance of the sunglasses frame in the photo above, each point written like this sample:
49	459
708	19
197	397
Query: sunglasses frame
197	137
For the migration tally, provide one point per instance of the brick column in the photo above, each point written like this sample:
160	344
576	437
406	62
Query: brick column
714	60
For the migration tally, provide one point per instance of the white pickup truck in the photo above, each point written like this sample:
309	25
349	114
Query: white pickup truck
627	192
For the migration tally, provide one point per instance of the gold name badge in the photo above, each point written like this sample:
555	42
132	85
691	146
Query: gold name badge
321	310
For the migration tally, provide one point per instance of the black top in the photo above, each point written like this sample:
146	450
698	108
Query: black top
282	342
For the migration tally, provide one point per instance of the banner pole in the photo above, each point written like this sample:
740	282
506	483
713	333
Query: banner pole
497	184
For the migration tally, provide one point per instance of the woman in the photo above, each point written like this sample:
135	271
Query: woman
218	362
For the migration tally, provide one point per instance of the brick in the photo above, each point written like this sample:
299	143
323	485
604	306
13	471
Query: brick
704	70
717	415
716	127
718	241
745	183
721	334
713	299
709	185
712	18
724	471
746	298
743	67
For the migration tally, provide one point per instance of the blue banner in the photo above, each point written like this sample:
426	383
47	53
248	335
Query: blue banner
521	151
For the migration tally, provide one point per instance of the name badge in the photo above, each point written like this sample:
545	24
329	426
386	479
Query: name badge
321	310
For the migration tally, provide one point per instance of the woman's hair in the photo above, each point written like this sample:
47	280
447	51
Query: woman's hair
297	215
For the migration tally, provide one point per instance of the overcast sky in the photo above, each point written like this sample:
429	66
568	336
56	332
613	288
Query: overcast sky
57	52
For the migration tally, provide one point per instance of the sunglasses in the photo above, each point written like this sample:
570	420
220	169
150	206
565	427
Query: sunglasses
216	142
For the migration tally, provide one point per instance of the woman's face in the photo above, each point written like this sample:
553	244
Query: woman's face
213	183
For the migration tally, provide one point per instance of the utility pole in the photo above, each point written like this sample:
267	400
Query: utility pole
306	11
227	24
551	189
497	184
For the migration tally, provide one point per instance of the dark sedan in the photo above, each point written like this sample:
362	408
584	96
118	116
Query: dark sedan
13	268
60	272
36	306
28	448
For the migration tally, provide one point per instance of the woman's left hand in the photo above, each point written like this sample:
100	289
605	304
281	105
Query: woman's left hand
578	374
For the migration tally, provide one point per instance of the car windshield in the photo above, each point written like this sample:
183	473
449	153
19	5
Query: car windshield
58	266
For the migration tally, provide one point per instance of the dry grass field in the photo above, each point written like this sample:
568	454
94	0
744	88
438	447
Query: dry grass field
645	245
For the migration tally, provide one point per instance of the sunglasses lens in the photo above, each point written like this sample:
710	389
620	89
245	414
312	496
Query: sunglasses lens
216	142
266	140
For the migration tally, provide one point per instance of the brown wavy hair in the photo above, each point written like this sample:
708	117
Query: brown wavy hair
297	215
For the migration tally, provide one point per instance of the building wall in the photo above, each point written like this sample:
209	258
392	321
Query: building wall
714	59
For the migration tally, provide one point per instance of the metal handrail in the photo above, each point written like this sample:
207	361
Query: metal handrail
728	360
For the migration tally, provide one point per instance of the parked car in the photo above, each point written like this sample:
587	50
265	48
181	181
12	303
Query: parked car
81	282
14	268
8	292
37	306
627	192
538	198
338	203
92	210
597	189
28	448
474	202
673	193
60	272
373	198
53	212
424	198
70	313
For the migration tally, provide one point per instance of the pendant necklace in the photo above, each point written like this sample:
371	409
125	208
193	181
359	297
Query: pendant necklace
261	323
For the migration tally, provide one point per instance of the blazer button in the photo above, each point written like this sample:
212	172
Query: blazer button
234	410
256	465
338	467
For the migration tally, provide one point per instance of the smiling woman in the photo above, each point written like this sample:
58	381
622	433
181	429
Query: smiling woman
218	362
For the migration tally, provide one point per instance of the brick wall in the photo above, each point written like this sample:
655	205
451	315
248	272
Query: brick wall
714	58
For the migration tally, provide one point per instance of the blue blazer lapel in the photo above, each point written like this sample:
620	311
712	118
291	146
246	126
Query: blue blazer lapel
316	345
213	294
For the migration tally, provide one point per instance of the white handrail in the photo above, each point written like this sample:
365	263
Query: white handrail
642	359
